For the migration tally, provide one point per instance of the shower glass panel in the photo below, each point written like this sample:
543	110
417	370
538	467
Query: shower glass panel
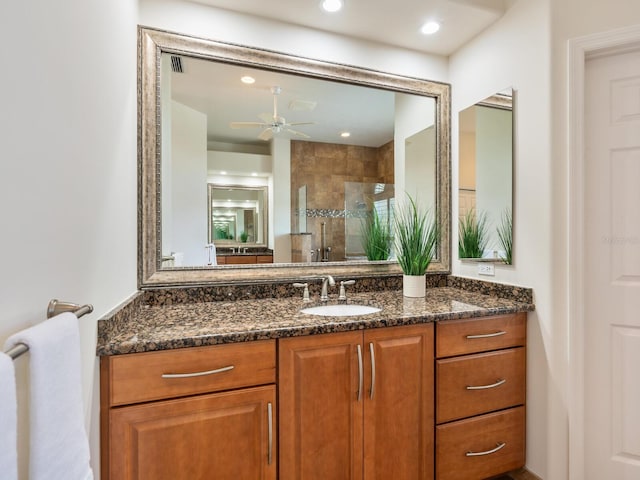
360	201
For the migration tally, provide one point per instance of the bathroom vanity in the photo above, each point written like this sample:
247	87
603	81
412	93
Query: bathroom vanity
423	389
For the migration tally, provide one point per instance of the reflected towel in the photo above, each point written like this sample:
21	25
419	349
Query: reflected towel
8	419
59	447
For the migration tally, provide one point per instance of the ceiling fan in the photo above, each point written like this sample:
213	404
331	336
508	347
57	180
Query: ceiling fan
272	124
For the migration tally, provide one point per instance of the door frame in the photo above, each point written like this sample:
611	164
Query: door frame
579	50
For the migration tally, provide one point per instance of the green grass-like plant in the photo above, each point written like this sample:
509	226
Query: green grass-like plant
376	237
505	235
244	236
416	237
472	235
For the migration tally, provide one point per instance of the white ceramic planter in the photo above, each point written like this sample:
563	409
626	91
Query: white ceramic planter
414	285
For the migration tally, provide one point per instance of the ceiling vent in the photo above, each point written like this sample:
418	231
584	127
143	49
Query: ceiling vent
176	64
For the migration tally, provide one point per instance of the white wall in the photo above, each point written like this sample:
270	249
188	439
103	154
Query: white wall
516	52
280	235
493	169
414	114
188	184
67	168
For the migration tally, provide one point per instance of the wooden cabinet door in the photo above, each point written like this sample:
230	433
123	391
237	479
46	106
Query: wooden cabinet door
398	407
226	436
320	415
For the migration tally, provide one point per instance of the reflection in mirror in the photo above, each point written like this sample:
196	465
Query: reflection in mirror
287	131
486	179
237	215
323	134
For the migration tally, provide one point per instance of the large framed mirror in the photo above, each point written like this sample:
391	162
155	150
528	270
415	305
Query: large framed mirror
304	133
485	189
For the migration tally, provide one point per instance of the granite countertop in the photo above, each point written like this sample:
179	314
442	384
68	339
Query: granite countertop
162	327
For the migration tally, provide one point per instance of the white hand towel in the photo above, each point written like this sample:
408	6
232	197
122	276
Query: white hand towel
59	447
8	420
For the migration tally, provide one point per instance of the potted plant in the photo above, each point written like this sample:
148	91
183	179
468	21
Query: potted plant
376	237
416	237
472	235
244	236
505	235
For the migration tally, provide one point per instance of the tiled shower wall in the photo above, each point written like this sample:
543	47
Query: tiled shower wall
324	168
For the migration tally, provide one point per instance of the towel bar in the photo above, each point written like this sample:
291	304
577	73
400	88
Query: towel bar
54	308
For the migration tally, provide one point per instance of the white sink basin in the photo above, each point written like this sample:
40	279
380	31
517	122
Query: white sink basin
345	310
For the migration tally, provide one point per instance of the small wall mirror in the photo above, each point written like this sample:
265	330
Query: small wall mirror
485	228
237	215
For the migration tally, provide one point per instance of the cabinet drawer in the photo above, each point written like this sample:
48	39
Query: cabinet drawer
481	447
138	377
459	337
479	383
241	259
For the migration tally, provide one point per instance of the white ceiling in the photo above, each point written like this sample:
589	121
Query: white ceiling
391	22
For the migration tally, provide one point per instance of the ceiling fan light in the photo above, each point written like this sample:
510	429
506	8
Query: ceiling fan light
430	27
332	5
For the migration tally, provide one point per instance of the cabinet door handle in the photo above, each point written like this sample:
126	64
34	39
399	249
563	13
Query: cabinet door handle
270	432
488	452
373	369
486	335
198	374
360	372
485	387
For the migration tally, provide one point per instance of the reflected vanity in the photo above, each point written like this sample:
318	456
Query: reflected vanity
201	126
485	190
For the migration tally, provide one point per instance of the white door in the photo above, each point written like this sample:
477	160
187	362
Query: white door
612	267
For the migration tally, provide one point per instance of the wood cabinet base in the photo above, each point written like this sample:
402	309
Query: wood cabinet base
226	436
480	447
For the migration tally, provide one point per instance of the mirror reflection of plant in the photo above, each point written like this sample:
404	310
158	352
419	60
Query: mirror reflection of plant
417	234
472	235
376	237
244	236
505	235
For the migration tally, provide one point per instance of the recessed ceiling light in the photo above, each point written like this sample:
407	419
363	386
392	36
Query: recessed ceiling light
223	173
248	80
254	174
345	134
332	5
430	28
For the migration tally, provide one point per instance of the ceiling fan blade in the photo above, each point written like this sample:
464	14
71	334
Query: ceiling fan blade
246	124
299	134
266	134
266	117
300	123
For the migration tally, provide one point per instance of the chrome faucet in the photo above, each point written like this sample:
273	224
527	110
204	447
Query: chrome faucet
326	281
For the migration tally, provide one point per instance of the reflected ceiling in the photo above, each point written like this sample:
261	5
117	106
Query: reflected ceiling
216	90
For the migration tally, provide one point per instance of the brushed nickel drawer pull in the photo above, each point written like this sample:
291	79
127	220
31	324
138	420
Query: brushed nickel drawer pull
488	452
486	335
485	387
270	420
198	374
373	370
360	372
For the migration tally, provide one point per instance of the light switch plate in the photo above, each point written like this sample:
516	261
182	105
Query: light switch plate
486	269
